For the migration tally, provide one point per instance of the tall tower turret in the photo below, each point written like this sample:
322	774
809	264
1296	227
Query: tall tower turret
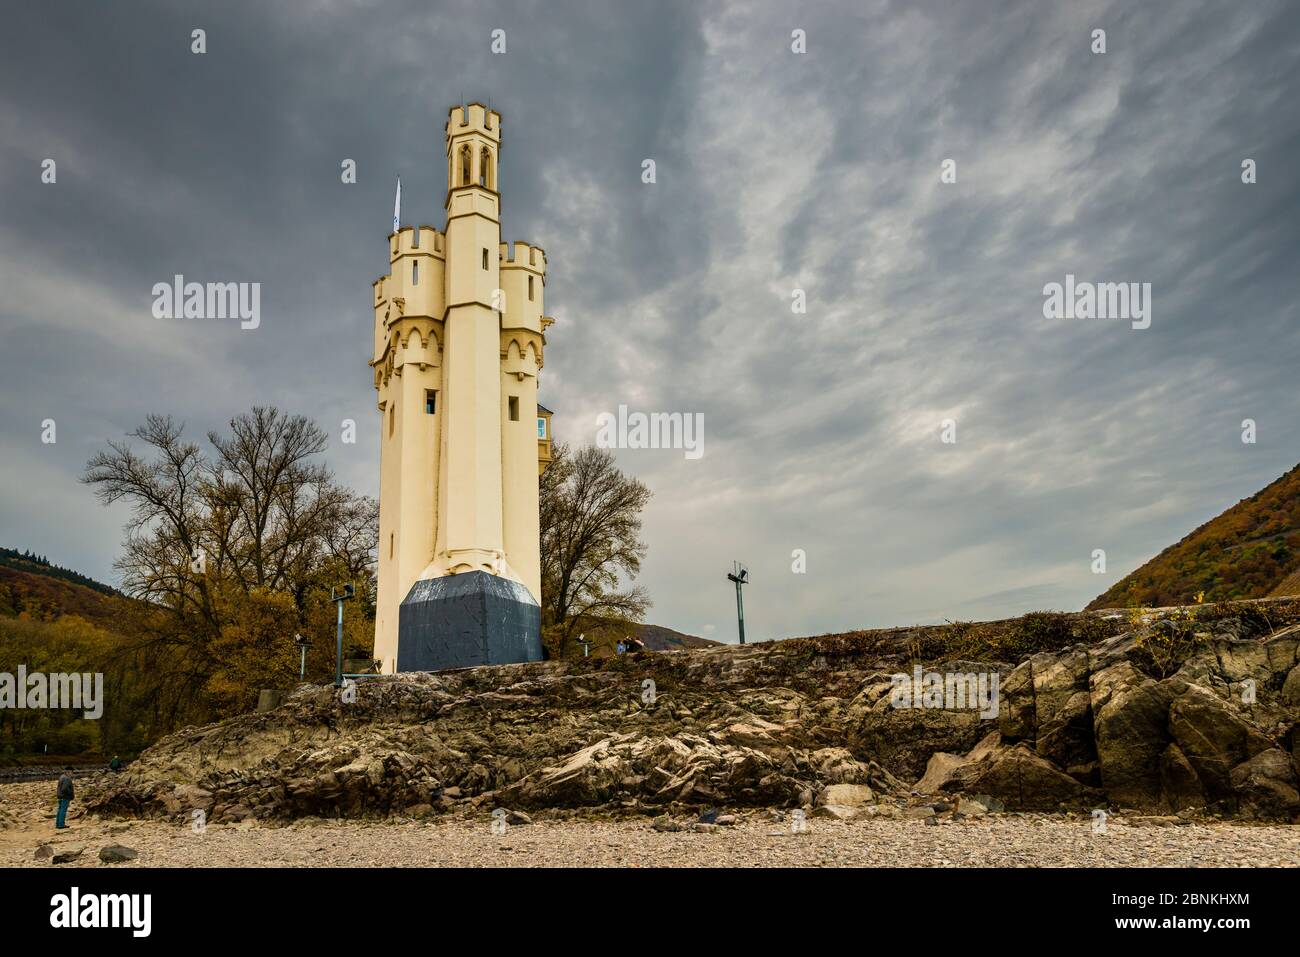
459	336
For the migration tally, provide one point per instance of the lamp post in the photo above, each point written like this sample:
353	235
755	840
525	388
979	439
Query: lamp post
303	644
339	599
739	575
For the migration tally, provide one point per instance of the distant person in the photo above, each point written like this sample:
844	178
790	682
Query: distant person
115	764
620	649
64	793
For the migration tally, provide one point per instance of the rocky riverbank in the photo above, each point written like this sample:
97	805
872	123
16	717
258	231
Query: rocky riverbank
1168	713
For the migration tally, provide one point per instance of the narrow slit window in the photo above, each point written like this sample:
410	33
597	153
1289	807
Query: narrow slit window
485	259
465	161
392	419
430	401
514	408
530	288
391	537
415	273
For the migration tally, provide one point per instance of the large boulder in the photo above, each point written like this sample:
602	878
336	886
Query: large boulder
1214	738
1180	787
1129	713
1290	693
1266	785
846	795
1019	778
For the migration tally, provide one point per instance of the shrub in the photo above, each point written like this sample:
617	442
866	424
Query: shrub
1166	645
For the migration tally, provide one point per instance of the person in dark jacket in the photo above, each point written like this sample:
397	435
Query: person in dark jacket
64	793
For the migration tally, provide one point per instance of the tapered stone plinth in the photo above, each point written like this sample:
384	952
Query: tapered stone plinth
460	621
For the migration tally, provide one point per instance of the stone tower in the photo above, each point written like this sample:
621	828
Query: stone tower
459	334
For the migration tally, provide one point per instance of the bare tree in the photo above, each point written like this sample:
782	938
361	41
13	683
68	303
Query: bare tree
590	539
230	552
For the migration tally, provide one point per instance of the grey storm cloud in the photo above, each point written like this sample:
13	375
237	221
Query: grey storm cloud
776	171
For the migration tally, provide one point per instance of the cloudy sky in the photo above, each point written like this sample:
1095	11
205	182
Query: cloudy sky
776	171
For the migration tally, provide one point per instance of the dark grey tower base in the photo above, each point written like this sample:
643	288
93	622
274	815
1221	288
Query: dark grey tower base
460	621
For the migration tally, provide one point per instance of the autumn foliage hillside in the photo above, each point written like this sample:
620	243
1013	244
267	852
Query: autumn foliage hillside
1247	552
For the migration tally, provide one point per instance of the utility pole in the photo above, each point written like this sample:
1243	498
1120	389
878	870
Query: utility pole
739	575
338	600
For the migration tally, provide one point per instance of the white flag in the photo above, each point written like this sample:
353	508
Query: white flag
397	205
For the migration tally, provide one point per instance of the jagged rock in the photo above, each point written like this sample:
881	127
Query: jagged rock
1016	717
1058	678
1066	737
846	795
44	852
1179	785
1213	737
1267	784
117	854
939	771
1290	693
518	817
835	812
1020	778
1130	726
66	853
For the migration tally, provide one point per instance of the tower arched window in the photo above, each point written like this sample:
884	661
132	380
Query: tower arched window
466	165
485	168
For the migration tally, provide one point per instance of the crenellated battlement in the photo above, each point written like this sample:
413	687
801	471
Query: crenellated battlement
473	118
414	240
523	255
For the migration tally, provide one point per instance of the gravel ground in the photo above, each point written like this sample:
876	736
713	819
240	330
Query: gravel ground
756	840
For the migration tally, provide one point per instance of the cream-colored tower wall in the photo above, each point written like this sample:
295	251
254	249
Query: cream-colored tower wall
458	487
409	304
471	527
521	361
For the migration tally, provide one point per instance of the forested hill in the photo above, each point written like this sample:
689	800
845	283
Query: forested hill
31	562
30	586
1250	551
